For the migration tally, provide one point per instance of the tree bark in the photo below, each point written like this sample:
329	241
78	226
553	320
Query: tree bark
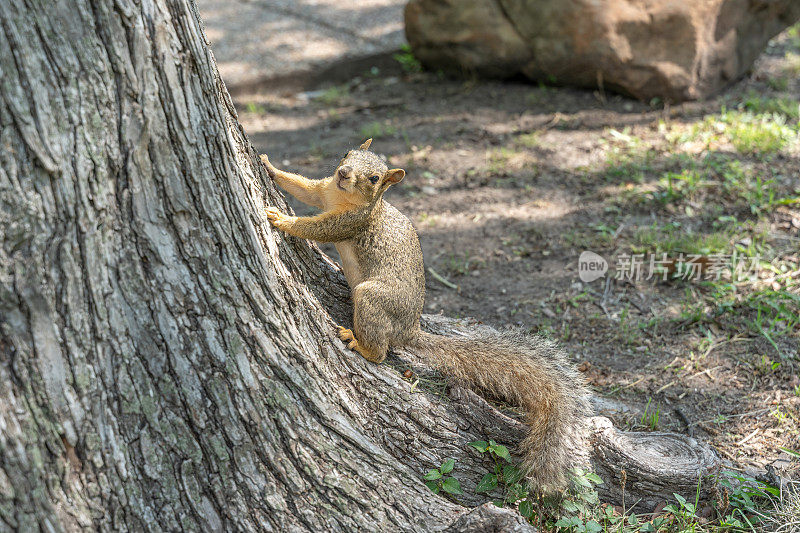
167	360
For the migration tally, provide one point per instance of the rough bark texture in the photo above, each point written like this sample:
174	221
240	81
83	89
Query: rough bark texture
672	50
167	360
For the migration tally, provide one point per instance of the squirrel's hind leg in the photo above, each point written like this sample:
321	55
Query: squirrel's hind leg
370	322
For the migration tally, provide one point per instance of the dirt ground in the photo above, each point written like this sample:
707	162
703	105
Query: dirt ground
508	182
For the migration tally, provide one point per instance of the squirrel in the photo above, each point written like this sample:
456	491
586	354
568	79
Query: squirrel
382	260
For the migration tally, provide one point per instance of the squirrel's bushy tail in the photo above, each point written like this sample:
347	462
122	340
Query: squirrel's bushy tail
530	372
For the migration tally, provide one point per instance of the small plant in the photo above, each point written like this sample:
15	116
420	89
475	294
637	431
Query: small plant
376	130
407	60
460	264
504	475
580	509
529	140
253	107
742	507
650	418
787	107
761	136
437	479
684	512
333	96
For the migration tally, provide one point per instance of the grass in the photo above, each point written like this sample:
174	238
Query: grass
750	133
334	96
673	238
714	180
759	134
785	106
743	504
376	130
255	107
460	264
407	60
529	140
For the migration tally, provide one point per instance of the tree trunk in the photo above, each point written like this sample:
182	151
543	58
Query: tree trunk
167	360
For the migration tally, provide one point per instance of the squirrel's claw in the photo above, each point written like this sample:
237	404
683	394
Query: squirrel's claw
270	168
345	334
348	338
273	213
277	218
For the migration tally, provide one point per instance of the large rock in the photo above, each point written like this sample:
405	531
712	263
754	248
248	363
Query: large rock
676	50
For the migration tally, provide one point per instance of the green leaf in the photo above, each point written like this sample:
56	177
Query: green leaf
433	486
432	475
526	508
563	522
452	486
594	478
593	527
447	466
497	503
480	445
511	474
501	451
569	506
492	443
793	453
680	498
647	527
516	492
487	483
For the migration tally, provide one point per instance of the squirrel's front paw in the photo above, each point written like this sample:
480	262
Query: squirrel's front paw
278	219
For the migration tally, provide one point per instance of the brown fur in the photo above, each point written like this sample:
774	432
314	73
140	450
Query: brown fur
382	260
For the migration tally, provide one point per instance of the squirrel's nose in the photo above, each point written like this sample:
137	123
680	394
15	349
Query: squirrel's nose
345	172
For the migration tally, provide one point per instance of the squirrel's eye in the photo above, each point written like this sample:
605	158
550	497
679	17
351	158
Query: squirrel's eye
374	179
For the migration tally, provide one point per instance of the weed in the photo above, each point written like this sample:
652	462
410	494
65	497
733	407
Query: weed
505	475
497	160
376	130
750	133
254	107
529	140
673	238
437	479
407	60
785	106
793	64
460	264
650	418
778	83
759	134
334	96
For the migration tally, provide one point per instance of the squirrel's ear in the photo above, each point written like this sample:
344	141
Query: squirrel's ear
395	175
366	144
